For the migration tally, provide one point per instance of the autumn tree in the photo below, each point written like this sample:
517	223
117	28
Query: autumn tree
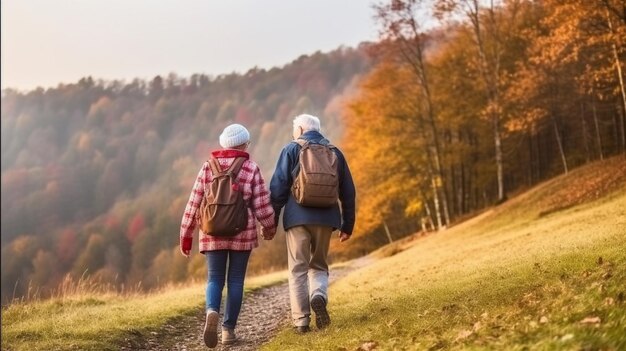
403	36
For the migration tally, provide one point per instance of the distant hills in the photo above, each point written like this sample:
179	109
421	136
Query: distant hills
96	174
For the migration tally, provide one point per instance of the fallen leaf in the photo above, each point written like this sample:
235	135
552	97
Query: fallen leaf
591	320
543	320
600	260
586	274
392	322
477	326
484	315
533	324
609	301
463	334
368	346
567	337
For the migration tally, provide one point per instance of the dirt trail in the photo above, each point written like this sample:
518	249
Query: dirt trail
263	313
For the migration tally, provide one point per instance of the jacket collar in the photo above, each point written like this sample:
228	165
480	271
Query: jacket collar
230	153
311	135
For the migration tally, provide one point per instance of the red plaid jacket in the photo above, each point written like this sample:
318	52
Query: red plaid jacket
255	194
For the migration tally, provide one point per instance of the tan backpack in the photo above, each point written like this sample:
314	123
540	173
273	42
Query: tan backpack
316	182
223	211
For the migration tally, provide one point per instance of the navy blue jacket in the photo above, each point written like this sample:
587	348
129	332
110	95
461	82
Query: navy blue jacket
280	188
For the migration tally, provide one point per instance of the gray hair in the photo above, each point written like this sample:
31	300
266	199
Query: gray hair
307	122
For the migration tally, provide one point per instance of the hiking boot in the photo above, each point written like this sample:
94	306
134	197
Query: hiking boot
228	336
322	319
302	329
210	329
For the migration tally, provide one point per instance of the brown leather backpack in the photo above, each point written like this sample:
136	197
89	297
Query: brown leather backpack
223	211
316	182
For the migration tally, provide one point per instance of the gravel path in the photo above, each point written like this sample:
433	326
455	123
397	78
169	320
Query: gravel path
263	313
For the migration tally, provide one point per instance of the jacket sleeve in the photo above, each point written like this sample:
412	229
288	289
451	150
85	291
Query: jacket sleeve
347	196
280	185
261	206
189	221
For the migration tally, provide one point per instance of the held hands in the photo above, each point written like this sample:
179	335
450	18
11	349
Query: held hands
185	252
267	234
343	236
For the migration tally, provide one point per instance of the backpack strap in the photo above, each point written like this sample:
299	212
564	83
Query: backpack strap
236	166
215	166
301	142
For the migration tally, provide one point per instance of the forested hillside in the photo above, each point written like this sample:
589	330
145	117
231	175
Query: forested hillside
503	95
96	174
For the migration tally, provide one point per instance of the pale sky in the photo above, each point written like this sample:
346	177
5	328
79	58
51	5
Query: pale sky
47	42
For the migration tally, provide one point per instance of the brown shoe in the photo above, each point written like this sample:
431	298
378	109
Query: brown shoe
228	336
302	329
322	319
210	329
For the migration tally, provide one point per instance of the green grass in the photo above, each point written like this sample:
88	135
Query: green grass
99	322
517	277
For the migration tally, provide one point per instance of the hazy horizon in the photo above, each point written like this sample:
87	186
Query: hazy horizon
41	46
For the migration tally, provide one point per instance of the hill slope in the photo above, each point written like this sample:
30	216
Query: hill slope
524	274
545	270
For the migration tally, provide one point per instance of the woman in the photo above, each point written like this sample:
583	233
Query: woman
234	250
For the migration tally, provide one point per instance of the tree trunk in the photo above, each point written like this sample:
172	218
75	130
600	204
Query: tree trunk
616	128
436	201
618	63
498	145
560	144
530	160
623	129
387	231
429	213
463	190
538	152
490	75
584	126
598	136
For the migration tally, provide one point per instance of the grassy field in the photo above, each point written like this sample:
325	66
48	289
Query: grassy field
544	271
89	321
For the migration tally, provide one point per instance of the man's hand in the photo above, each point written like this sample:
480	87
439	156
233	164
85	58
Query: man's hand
343	236
185	252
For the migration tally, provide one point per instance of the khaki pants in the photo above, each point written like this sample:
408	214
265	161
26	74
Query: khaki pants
307	248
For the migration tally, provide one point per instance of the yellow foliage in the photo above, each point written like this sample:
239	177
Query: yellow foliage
383	144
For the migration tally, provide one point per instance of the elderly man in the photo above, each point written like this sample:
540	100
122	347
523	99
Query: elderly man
309	226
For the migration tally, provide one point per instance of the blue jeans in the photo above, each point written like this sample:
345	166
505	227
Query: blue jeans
217	273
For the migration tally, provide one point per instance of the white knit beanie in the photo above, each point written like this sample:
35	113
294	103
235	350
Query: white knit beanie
234	135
